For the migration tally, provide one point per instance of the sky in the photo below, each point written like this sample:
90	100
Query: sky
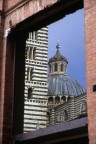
69	31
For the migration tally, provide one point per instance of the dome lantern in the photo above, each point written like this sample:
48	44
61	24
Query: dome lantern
58	63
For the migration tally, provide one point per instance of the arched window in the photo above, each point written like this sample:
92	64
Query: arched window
48	117
62	67
57	100
63	99
50	100
83	106
61	117
55	67
65	115
30	90
58	119
30	53
31	74
34	51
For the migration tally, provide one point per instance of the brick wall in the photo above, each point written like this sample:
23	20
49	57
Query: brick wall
7	56
10	3
1	5
27	8
90	42
1	78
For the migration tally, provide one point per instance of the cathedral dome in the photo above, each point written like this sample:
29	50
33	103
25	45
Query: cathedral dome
64	85
59	83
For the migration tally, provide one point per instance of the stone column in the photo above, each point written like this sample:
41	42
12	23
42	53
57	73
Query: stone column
30	35
34	35
58	67
28	52
66	98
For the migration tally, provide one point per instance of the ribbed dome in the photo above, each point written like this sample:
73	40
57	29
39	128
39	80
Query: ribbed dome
64	85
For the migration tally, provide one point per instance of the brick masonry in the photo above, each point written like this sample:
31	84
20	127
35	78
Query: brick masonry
15	12
90	43
22	10
1	5
1	77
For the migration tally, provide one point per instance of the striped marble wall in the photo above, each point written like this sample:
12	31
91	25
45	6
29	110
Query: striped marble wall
36	87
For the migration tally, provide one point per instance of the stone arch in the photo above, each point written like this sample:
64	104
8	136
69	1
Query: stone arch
68	98
50	100
57	100
55	67
63	99
62	67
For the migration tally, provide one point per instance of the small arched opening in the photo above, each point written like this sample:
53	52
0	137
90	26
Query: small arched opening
65	115
62	67
63	99
57	100
30	93
50	100
55	67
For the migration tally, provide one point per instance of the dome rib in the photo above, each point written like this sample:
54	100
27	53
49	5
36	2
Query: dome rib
64	85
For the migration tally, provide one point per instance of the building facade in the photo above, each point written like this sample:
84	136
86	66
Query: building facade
66	97
36	86
50	95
